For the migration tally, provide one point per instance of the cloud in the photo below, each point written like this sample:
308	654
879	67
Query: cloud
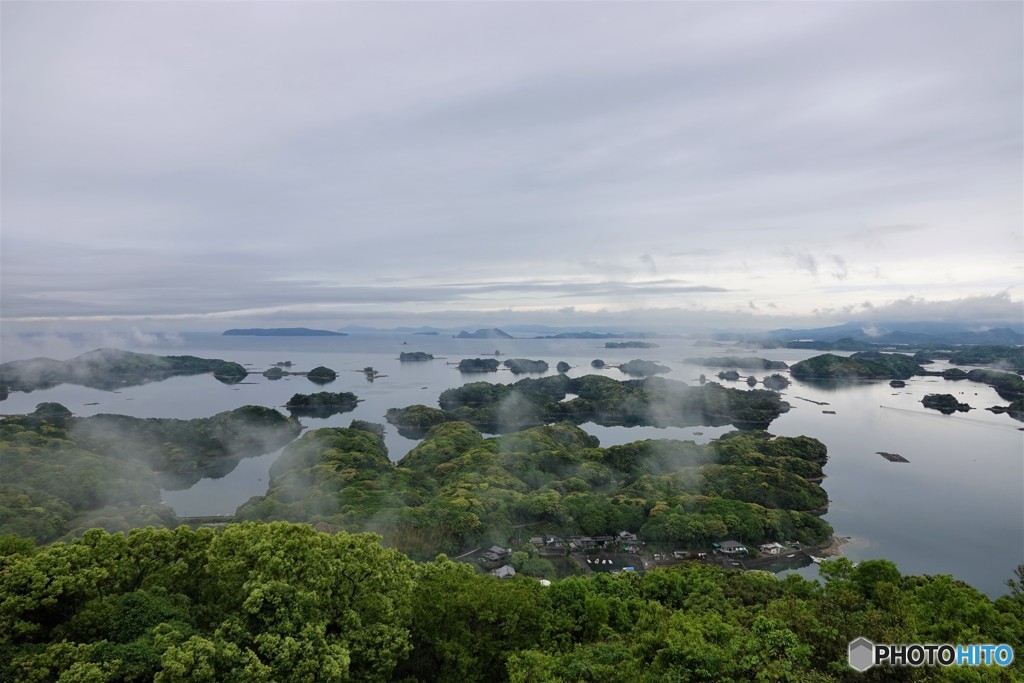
267	159
996	309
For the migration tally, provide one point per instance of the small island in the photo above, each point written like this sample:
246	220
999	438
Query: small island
630	345
321	375
322	404
281	332
643	368
944	403
478	365
414	356
519	366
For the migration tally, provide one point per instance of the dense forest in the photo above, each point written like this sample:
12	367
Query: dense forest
650	401
457	490
283	602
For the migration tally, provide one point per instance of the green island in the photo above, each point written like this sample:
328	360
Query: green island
1010	357
322	404
457	489
744	363
653	401
321	375
478	365
60	475
630	345
414	356
861	365
1014	410
1006	384
110	369
944	403
643	368
520	366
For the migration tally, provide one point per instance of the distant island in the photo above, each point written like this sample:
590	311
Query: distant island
745	363
407	356
630	345
281	332
492	333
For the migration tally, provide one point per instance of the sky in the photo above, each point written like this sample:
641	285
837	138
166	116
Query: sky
203	165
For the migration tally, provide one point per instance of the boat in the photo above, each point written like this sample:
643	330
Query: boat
816	560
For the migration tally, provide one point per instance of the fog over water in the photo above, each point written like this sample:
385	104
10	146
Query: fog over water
957	507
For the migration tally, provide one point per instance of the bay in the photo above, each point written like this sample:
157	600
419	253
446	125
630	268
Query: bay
957	507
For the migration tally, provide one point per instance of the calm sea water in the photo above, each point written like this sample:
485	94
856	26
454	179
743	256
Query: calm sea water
956	508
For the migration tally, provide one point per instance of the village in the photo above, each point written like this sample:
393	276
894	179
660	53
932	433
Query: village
624	552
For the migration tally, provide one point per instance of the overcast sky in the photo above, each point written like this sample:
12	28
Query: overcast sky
325	163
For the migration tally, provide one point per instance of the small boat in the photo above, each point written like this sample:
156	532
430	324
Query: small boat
816	560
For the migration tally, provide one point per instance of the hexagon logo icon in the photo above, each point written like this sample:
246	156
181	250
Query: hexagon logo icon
861	654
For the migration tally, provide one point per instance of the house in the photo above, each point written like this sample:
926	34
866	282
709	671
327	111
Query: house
732	547
771	548
505	572
537	541
497	554
626	537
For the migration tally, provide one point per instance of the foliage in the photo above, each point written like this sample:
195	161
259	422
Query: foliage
520	366
478	365
321	375
642	368
651	401
281	602
457	490
322	404
184	451
110	369
407	356
944	403
1007	356
1006	384
861	365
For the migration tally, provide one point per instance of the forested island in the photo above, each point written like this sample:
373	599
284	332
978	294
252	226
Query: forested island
415	356
457	489
630	345
651	401
322	404
110	369
61	474
520	366
861	365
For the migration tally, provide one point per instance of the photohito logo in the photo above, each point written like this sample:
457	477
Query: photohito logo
863	654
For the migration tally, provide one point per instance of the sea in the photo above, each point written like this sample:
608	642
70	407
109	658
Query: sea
957	506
